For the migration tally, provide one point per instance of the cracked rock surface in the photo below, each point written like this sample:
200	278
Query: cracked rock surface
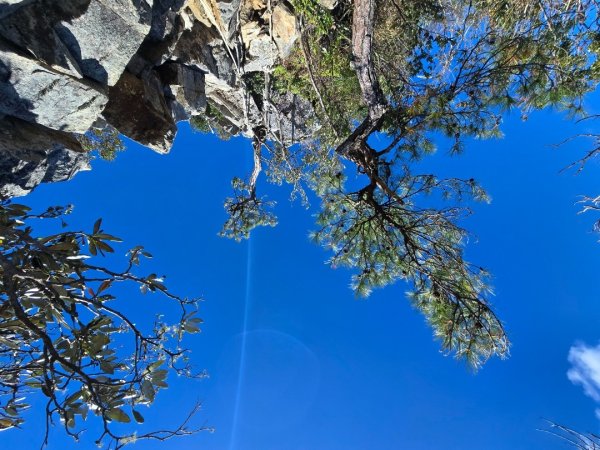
139	66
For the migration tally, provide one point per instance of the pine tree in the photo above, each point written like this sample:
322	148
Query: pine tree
405	71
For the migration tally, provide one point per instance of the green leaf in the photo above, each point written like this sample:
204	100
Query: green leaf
104	246
92	246
137	416
6	423
108	237
119	415
105	285
191	327
97	225
72	398
148	390
159	375
155	365
107	367
18	207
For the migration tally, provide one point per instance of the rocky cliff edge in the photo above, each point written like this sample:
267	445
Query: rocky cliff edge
140	66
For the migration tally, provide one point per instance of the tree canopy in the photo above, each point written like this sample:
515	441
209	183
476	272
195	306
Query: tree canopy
61	334
415	74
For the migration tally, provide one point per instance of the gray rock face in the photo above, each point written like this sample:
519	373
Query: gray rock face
285	32
203	47
139	110
262	54
35	93
139	65
292	119
91	36
168	23
229	11
235	105
186	89
32	155
31	28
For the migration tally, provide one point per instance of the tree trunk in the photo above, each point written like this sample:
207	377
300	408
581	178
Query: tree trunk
362	43
355	147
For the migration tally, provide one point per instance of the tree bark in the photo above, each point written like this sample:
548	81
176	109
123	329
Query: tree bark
363	26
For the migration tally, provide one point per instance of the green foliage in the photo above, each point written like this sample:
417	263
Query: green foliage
105	141
387	237
255	82
314	14
255	86
448	71
326	53
61	331
200	123
213	121
456	69
300	167
246	211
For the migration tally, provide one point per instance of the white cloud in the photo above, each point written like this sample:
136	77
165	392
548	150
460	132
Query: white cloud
585	370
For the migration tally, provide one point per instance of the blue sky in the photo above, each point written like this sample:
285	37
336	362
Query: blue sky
325	371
